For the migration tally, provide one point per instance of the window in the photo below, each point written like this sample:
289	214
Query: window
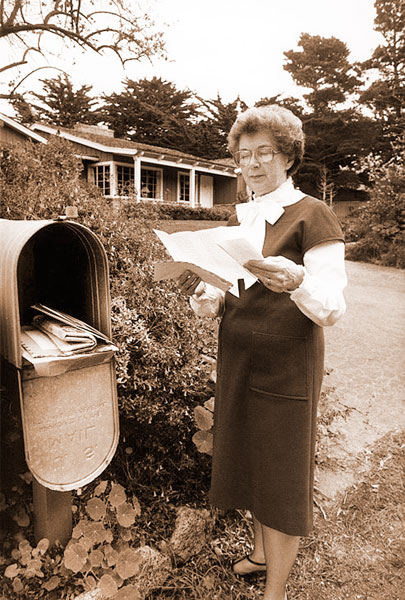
125	180
151	183
102	178
184	187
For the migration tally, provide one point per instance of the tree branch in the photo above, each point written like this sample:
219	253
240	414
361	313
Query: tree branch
29	75
17	6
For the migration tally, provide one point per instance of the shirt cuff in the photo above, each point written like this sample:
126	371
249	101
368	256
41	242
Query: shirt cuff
207	301
322	304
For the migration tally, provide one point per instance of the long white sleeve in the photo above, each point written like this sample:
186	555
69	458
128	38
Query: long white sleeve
208	301
320	295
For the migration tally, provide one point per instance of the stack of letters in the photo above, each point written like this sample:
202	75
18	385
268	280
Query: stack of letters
56	338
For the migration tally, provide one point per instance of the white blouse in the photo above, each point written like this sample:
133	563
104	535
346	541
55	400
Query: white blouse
320	295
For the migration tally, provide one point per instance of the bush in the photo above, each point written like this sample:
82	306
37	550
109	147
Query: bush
161	370
377	230
176	212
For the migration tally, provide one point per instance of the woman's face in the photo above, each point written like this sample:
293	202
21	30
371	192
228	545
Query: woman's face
263	177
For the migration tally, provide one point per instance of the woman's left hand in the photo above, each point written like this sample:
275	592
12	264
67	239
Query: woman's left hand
277	273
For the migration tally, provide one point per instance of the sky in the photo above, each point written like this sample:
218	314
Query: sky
228	47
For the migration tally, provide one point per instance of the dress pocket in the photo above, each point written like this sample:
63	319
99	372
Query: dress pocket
279	366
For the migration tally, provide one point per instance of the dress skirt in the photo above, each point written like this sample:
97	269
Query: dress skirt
269	374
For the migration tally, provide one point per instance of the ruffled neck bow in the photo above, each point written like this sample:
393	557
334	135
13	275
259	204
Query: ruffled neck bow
270	206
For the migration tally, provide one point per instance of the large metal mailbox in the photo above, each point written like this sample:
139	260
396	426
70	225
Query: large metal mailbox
70	419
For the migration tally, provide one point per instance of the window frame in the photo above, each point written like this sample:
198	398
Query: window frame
179	175
160	183
130	192
93	177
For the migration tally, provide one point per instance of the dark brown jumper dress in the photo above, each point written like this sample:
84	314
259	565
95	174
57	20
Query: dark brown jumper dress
269	375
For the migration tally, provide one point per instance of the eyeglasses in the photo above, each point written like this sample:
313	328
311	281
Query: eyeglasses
264	154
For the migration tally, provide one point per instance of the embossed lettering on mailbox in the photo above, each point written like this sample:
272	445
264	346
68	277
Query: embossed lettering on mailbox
70	426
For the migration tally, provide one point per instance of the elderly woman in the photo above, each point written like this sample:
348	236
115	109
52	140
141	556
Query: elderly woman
271	346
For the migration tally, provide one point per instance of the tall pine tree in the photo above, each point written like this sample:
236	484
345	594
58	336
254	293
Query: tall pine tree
59	104
386	94
323	66
153	112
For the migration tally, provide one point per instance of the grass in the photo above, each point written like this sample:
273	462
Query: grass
191	225
355	553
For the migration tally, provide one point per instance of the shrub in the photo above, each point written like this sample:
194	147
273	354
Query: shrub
377	229
161	371
176	212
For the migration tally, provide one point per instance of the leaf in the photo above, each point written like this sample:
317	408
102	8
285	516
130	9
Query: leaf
136	505
21	518
111	555
27	477
43	546
210	404
52	584
12	571
96	533
117	495
125	515
15	554
204	441
18	585
128	592
101	488
25	550
96	509
203	418
75	557
125	535
128	563
109	536
91	582
79	529
107	586
96	558
3	503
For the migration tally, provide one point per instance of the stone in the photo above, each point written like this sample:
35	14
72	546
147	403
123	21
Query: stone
191	531
153	571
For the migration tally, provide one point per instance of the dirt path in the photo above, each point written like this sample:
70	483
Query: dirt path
366	350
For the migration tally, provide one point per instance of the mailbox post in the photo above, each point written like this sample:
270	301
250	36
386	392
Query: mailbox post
69	417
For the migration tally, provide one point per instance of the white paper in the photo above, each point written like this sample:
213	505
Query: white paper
205	249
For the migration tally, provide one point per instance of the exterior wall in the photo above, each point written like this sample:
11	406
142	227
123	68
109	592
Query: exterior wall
225	190
344	207
8	135
169	184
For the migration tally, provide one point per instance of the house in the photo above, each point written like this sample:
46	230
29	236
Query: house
11	131
123	168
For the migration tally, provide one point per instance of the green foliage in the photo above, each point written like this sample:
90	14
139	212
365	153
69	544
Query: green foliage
38	181
211	133
385	95
337	141
157	112
152	112
102	552
162	372
323	66
60	104
378	228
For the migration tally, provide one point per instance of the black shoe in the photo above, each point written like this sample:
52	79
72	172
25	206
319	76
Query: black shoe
261	567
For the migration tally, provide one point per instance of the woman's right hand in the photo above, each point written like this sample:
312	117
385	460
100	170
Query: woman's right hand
188	282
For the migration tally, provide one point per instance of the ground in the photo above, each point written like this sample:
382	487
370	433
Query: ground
365	349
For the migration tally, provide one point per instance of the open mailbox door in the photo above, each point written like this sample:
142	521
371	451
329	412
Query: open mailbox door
69	414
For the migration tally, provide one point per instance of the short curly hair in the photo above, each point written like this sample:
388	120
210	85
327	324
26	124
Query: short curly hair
284	126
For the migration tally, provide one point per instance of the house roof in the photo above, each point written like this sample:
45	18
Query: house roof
5	120
106	143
